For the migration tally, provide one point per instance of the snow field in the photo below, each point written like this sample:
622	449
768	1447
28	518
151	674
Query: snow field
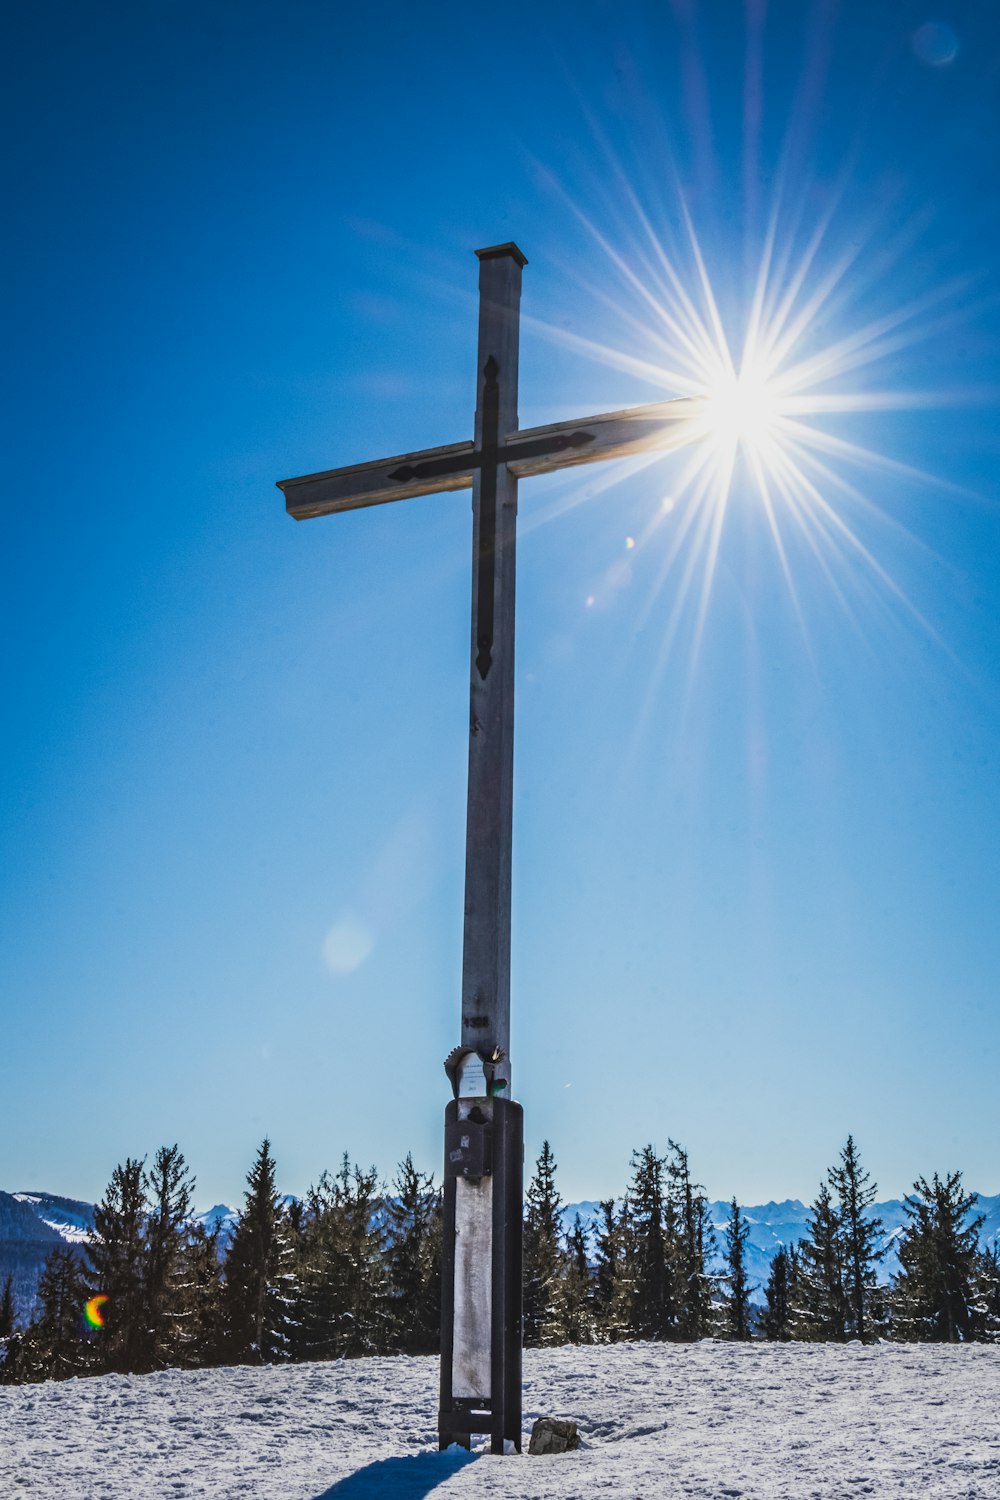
766	1422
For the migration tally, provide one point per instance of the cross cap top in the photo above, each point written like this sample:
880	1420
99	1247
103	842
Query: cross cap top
499	252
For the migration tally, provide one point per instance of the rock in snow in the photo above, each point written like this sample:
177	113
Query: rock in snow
553	1435
762	1421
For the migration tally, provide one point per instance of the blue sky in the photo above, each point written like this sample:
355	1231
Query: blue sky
756	858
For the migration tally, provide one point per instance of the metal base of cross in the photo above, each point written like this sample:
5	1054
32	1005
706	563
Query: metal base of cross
481	1278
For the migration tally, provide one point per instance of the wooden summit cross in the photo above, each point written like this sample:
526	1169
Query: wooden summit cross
481	1256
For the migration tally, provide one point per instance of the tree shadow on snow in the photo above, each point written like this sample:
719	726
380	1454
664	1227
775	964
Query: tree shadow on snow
409	1478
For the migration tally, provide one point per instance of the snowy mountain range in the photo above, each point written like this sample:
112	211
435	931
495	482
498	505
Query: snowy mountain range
33	1224
773	1225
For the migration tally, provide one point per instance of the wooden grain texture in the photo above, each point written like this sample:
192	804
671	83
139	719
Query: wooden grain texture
486	945
660	425
359	485
472	1342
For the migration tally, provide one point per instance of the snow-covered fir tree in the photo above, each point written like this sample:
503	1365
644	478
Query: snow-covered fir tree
202	1338
654	1304
117	1256
257	1296
413	1261
343	1294
990	1292
613	1265
364	1287
320	1330
577	1301
737	1310
7	1308
691	1241
167	1312
818	1302
775	1320
543	1260
55	1345
860	1235
940	1295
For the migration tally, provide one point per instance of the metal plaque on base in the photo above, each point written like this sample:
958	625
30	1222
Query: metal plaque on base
481	1273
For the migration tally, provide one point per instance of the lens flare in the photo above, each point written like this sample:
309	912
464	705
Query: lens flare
92	1311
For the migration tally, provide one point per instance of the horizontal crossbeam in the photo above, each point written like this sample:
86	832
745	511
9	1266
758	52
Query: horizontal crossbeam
533	450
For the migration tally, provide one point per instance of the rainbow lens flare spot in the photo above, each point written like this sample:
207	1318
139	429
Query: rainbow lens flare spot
92	1311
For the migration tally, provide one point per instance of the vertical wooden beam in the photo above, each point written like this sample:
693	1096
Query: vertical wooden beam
485	1336
486	955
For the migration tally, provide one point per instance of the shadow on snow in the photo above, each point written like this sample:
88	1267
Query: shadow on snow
408	1478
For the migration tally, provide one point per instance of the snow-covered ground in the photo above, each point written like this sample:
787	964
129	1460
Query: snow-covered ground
794	1421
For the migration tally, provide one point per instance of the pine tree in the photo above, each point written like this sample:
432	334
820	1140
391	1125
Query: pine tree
543	1263
937	1295
55	1346
167	1313
692	1241
413	1262
344	1303
818	1306
795	1275
989	1283
202	1340
859	1234
256	1293
577	1289
319	1310
776	1317
654	1308
12	1360
364	1289
7	1308
738	1303
612	1273
117	1256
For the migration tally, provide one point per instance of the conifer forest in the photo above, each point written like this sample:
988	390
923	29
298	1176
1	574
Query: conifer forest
353	1269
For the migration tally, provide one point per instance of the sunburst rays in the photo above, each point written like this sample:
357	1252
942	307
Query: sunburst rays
765	392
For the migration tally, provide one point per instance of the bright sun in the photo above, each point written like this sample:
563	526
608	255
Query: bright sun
758	404
741	410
